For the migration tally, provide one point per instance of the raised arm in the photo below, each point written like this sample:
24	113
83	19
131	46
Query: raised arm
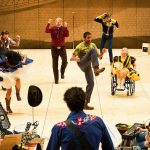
48	28
15	42
115	23
100	18
66	31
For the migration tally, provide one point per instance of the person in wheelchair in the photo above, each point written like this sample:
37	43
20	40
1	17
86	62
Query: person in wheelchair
123	67
142	138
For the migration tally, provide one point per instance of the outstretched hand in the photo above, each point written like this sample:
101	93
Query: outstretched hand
18	37
49	20
65	24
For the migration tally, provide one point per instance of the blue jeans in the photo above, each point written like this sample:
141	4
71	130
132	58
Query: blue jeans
109	39
85	65
2	59
140	140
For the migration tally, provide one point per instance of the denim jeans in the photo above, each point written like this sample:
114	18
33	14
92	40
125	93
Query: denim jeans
109	39
140	140
85	65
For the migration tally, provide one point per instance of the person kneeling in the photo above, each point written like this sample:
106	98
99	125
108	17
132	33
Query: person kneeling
143	138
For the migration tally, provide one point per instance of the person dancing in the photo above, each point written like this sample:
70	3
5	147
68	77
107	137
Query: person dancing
108	26
58	34
85	54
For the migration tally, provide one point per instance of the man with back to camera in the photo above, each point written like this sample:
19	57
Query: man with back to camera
58	35
108	26
92	128
85	54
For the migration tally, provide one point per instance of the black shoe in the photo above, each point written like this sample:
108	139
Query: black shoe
86	107
18	96
98	70
96	74
62	76
1	79
4	89
56	82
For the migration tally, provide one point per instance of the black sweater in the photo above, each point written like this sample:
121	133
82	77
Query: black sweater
108	28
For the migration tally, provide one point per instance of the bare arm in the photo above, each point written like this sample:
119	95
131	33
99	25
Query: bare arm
66	31
139	130
75	58
15	43
48	28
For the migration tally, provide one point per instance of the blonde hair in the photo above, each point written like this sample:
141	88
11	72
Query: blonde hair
59	19
124	49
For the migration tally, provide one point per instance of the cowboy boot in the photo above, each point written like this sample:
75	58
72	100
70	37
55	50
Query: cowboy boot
18	94
86	107
98	70
8	109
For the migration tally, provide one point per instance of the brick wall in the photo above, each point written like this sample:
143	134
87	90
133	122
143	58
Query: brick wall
29	18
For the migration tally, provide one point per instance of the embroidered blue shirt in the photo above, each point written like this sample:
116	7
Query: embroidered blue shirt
92	127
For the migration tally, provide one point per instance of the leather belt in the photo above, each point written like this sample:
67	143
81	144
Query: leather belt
58	47
107	34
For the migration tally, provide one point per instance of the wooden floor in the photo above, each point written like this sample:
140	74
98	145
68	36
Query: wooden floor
119	108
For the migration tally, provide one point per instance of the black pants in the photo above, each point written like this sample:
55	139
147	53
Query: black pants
55	56
85	65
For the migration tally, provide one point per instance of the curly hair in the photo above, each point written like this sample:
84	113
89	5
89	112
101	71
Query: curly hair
13	57
75	98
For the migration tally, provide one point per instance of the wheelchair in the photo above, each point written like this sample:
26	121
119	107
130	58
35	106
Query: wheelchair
129	85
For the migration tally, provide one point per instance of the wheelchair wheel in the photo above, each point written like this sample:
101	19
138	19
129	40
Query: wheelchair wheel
128	93
127	86
113	85
132	87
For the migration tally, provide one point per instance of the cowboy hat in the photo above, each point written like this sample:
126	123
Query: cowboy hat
34	96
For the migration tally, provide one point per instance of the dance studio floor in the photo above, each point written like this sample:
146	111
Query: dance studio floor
119	108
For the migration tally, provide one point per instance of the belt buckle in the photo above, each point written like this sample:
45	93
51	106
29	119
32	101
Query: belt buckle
58	47
106	34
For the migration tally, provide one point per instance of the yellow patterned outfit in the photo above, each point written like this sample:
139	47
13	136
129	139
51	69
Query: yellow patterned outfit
125	64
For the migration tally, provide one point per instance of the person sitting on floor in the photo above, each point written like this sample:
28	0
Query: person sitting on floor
10	79
143	138
121	67
5	42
